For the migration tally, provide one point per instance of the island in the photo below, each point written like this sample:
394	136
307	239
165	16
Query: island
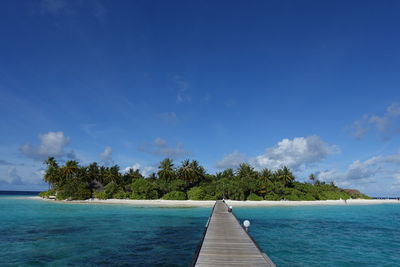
187	181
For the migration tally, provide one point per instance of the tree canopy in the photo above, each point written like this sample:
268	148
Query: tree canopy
188	180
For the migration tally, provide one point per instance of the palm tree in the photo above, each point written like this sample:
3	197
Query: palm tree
246	179
228	173
70	168
266	175
135	174
131	175
113	174
285	175
166	171
265	181
83	174
51	162
219	175
102	175
312	177
186	172
198	171
52	175
246	171
93	171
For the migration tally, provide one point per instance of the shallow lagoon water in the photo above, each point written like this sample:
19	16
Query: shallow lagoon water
37	233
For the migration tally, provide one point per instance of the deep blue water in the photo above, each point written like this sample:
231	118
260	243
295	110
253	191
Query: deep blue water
36	232
19	193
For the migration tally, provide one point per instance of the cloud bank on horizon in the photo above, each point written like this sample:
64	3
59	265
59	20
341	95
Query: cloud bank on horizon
299	154
100	81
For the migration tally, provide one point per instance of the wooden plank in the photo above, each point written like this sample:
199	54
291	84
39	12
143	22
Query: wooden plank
226	243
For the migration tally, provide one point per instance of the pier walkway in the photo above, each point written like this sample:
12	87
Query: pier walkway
226	243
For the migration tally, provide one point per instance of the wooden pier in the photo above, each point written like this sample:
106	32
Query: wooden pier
226	243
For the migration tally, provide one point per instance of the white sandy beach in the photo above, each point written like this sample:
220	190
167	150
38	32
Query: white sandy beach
233	203
236	203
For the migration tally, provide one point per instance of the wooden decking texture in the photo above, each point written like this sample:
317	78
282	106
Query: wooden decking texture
227	244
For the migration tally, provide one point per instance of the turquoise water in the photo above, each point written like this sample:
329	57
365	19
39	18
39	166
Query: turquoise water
327	235
36	232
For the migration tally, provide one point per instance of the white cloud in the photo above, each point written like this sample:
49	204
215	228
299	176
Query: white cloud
36	177
51	144
232	160
11	177
356	173
144	170
22	178
386	125
106	154
365	172
135	166
296	153
393	158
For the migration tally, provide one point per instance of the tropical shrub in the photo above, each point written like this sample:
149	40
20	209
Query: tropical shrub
273	196
169	186
196	193
329	195
254	197
46	194
121	195
110	189
211	192
356	194
175	195
61	195
363	196
100	195
143	189
75	190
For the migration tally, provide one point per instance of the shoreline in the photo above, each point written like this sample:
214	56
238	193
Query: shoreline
233	203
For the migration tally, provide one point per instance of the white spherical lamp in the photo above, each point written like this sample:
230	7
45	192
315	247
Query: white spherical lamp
246	223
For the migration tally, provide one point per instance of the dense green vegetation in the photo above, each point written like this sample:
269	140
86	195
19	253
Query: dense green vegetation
189	180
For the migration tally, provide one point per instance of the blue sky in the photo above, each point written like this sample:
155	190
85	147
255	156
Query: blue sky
309	84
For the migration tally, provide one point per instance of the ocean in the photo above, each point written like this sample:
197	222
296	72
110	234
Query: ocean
41	233
359	235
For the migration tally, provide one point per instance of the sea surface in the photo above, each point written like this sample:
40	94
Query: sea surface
359	235
37	233
40	233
